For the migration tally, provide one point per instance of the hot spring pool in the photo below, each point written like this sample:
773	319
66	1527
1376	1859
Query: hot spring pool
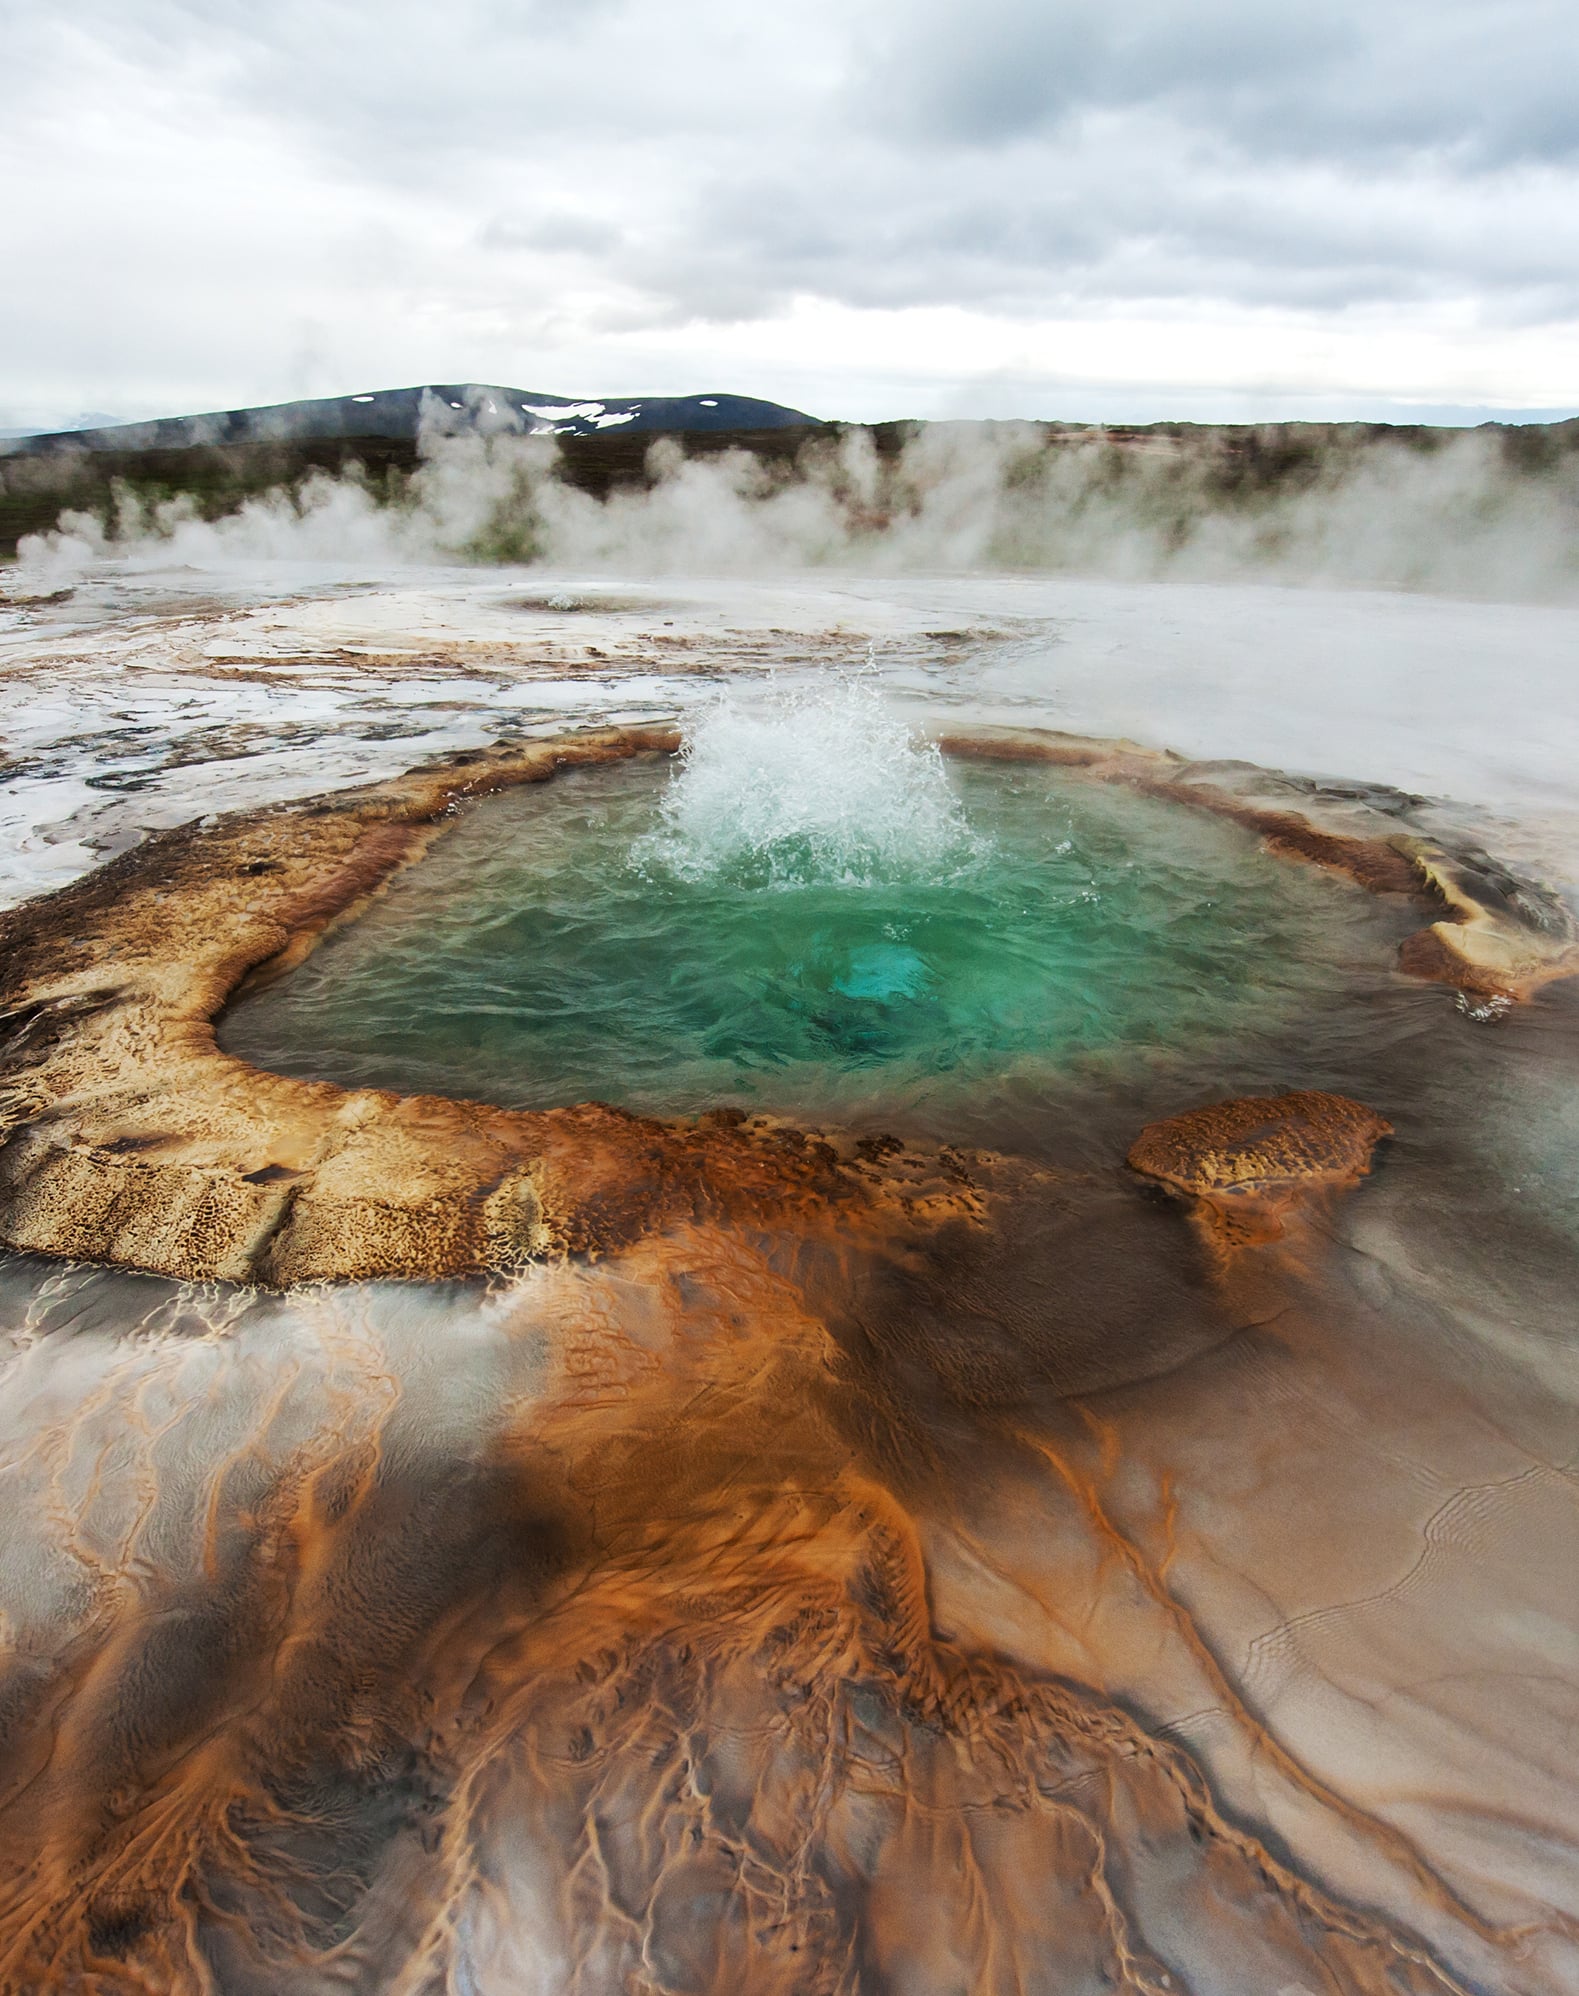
666	937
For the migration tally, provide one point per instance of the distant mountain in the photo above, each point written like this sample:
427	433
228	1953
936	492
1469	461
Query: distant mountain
442	407
87	419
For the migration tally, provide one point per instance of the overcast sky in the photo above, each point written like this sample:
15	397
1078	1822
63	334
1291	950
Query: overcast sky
1094	208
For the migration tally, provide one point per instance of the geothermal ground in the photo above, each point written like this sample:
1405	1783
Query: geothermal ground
1095	1515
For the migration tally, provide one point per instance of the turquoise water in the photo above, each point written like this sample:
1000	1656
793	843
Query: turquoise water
577	941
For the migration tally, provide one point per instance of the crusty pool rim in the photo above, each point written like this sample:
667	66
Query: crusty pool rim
128	1138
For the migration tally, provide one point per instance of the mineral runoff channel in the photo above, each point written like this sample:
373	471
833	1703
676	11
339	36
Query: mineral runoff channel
1239	463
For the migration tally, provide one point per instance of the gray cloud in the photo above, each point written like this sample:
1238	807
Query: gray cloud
1489	85
1133	212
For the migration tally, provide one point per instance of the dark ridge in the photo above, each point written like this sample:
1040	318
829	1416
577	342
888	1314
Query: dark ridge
443	408
227	456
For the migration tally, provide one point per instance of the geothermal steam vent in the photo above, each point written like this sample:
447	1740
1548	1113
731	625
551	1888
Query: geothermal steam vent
1023	947
812	914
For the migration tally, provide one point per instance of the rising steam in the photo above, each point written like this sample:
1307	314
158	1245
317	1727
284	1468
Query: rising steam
1476	513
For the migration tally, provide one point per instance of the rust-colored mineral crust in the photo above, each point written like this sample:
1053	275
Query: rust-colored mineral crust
1249	1164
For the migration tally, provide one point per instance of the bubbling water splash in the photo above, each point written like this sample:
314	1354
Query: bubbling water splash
814	786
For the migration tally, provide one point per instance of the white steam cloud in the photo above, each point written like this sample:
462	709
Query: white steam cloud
1461	515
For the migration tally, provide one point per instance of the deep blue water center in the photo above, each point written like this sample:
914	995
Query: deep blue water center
564	943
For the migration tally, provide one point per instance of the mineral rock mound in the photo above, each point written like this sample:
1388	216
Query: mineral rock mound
1251	1163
